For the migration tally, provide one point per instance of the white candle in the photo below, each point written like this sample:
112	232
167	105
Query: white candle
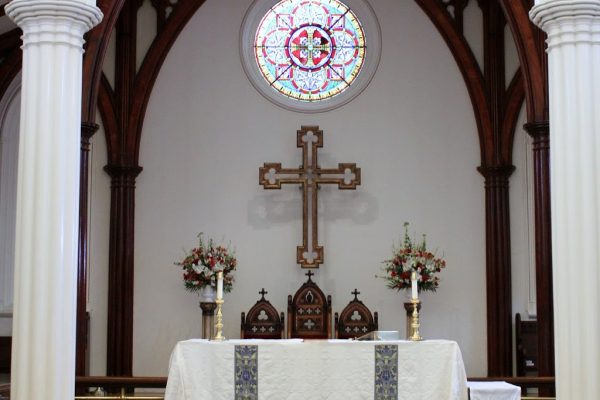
220	285
413	286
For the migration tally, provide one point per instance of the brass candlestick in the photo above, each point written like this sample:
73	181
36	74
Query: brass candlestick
415	337
219	325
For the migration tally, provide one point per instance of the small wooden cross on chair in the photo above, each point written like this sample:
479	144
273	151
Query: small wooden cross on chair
262	293
309	176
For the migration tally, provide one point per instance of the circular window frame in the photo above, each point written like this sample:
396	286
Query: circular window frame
365	14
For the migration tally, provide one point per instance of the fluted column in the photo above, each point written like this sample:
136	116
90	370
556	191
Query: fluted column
540	133
120	270
573	29
43	349
498	274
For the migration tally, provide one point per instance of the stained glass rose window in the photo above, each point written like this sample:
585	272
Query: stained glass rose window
307	53
310	50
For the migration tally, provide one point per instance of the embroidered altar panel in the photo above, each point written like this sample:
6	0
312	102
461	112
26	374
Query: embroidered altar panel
298	370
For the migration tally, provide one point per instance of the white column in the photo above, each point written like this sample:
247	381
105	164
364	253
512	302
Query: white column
43	350
573	28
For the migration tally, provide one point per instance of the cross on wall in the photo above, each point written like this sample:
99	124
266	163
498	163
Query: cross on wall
309	176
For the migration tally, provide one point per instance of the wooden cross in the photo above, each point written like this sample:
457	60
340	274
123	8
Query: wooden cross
309	176
355	293
263	292
309	274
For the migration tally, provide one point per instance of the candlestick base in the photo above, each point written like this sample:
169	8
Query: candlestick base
415	325
219	325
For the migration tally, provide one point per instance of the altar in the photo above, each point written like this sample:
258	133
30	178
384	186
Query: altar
316	369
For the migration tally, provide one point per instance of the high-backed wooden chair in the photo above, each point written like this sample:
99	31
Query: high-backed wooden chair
355	320
262	321
309	312
527	341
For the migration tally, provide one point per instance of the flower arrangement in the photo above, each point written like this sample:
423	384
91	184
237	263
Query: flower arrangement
413	256
201	264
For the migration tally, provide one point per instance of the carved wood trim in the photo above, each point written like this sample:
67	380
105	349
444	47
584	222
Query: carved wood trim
153	61
10	41
540	132
530	42
496	111
123	112
532	57
87	131
498	269
121	273
95	51
469	69
515	96
9	69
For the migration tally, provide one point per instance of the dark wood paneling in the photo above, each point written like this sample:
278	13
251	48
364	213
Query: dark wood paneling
123	111
121	273
87	131
496	110
10	41
9	69
531	45
5	351
95	50
498	269
93	60
532	57
540	133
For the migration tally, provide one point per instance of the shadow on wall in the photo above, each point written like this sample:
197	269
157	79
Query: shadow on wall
285	205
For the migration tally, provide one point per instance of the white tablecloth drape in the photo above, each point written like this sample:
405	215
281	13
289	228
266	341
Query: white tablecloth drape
494	391
328	369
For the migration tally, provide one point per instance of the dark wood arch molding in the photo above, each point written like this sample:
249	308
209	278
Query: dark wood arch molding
515	96
469	68
496	110
95	50
9	69
122	110
530	42
530	49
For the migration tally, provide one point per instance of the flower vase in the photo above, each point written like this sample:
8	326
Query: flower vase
208	294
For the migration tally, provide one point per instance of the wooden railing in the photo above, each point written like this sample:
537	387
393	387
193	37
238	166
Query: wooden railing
122	388
119	388
5	391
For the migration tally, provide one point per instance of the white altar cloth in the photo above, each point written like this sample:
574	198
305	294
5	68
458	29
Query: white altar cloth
493	390
316	369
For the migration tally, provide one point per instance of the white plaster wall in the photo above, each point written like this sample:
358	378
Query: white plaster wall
10	107
522	223
207	131
522	227
472	30
99	223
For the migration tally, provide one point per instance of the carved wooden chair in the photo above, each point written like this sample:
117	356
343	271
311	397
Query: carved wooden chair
355	320
262	321
309	312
